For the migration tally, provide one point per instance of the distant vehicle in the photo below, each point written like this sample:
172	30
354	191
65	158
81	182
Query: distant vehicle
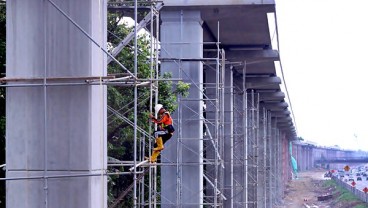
358	174
328	174
359	178
351	178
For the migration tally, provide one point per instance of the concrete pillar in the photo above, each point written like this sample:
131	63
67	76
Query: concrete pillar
279	167
211	138
55	130
273	160
287	169
183	185
229	139
262	177
254	147
240	168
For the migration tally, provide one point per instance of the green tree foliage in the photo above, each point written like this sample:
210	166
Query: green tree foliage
120	133
2	99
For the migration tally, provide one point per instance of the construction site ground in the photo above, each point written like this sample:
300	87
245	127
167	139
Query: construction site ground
303	192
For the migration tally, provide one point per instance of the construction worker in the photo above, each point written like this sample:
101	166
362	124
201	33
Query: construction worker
164	132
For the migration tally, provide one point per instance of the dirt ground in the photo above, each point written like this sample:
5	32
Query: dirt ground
303	192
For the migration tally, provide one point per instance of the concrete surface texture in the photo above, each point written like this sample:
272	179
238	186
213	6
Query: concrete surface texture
184	26
55	130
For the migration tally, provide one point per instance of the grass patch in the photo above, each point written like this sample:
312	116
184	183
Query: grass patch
347	196
332	184
361	206
343	194
329	183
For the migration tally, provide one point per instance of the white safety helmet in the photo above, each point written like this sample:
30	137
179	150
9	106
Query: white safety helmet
158	108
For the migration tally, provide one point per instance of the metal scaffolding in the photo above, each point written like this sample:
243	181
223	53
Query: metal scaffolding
213	121
212	154
256	140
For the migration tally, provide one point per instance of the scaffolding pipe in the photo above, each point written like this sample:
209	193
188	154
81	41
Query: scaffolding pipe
45	172
217	191
135	105
245	129
156	99
255	106
217	116
151	101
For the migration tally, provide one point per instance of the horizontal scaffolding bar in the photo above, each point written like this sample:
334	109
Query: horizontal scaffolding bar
51	177
22	79
204	43
188	59
160	164
76	84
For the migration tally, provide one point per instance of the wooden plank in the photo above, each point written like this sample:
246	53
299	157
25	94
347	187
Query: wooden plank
137	165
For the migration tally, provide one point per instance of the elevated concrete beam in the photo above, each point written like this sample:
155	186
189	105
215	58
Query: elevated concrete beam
264	68
289	129
252	56
285	126
215	2
271	96
278	114
286	129
263	83
284	119
275	106
284	122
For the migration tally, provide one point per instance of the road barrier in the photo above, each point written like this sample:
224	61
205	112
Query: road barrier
358	193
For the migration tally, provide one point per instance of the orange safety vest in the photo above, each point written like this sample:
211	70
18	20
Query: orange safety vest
165	122
166	119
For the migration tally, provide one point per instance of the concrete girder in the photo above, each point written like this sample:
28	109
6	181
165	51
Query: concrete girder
280	113
285	126
287	130
249	56
263	82
252	56
169	3
271	96
283	119
284	123
264	68
275	106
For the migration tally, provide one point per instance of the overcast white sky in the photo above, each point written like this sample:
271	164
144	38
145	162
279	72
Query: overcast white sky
323	48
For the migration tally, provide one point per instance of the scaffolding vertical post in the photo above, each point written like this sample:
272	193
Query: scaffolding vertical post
245	130
45	188
135	105
256	114
156	96
217	122
222	112
179	162
150	187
